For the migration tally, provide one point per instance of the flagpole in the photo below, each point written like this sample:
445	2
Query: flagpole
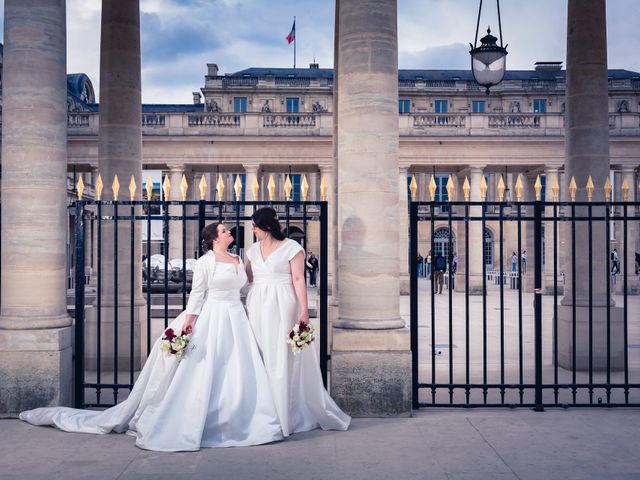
294	42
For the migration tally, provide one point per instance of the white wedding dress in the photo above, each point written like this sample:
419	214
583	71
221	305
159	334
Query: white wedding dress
296	380
218	395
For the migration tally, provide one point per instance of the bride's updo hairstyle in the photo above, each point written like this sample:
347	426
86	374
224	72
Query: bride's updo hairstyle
209	234
266	219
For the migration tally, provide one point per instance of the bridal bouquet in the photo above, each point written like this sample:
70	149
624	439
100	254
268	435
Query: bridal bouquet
300	336
174	344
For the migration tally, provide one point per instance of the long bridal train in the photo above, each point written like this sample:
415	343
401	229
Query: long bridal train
218	395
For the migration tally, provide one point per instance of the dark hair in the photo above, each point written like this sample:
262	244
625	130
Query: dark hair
266	219
209	234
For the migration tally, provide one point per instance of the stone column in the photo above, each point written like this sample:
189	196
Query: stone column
403	227
35	333
175	226
251	175
476	235
120	153
460	234
587	153
633	238
548	279
371	362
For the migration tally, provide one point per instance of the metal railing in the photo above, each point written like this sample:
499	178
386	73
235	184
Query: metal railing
529	343
95	377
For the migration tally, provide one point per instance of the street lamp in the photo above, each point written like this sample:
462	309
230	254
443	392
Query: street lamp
488	61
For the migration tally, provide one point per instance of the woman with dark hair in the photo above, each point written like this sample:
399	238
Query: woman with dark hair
276	302
217	395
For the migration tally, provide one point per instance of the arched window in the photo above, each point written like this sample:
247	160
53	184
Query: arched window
441	241
488	247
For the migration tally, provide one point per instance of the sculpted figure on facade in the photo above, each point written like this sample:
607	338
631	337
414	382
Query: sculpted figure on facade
623	106
266	108
514	107
318	108
212	106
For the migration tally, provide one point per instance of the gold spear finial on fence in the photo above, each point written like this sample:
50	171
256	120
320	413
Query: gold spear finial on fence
555	189
304	188
466	189
99	187
625	190
451	189
573	189
538	188
432	188
519	189
324	187
255	188
607	190
237	186
80	187
483	189
149	188
220	188
271	187
132	188
115	186
202	185
166	187
184	187
590	187
413	188
287	188
501	189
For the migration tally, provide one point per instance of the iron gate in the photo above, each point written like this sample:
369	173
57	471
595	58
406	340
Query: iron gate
498	345
93	377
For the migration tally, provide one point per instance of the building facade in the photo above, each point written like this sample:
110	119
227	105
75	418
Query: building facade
268	123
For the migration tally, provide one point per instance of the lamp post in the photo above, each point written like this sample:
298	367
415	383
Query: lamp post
488	61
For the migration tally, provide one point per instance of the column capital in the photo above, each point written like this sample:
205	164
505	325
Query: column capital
173	169
551	169
628	169
251	168
325	169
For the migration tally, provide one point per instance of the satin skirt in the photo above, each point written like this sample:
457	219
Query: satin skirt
296	380
218	395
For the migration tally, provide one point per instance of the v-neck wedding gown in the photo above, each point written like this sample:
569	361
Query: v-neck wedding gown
218	395
296	381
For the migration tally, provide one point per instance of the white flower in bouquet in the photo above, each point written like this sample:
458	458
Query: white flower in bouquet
300	336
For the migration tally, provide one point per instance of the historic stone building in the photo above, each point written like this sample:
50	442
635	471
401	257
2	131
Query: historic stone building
271	122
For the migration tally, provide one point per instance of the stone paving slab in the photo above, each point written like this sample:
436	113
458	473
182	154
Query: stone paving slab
433	444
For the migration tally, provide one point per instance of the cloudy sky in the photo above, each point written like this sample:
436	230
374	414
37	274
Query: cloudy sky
179	37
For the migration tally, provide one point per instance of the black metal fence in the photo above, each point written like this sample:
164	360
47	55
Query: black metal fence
98	383
505	341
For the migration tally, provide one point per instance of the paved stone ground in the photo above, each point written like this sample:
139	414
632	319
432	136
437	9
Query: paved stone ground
434	444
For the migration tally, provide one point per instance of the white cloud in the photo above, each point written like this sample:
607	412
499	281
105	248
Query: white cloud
179	37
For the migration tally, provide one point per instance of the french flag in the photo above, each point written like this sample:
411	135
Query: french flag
292	34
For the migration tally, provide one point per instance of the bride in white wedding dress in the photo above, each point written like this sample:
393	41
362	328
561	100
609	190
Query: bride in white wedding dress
217	395
276	302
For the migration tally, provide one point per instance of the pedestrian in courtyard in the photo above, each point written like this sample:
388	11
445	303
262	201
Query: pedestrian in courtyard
524	261
453	269
429	264
312	267
615	261
514	262
439	267
420	265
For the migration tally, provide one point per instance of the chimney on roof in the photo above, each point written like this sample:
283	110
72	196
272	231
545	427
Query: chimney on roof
314	65
196	98
548	66
212	69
